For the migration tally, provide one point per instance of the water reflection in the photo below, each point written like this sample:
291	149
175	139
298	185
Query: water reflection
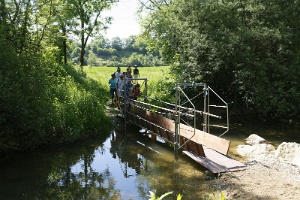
112	167
116	167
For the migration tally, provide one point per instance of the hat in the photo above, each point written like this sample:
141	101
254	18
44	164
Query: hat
135	65
122	74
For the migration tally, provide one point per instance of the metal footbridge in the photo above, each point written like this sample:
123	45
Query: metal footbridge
177	124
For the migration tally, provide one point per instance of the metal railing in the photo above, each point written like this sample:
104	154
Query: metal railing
177	110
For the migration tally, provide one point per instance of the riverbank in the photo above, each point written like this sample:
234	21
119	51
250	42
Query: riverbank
266	178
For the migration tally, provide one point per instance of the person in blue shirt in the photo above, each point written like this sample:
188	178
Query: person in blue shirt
113	87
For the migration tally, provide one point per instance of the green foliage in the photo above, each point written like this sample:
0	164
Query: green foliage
248	51
75	55
118	52
216	196
161	86
153	195
90	22
142	60
42	102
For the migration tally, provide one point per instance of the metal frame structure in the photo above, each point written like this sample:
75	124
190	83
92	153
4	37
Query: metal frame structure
167	122
205	113
178	111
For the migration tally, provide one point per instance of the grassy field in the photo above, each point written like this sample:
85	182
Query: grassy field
159	81
103	74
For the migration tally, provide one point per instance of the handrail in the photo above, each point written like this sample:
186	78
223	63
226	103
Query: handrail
176	111
186	108
227	112
194	119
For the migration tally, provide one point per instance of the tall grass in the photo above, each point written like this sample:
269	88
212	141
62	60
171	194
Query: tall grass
49	104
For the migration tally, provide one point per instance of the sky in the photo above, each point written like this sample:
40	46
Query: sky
125	21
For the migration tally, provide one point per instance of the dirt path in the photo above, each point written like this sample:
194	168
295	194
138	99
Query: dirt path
266	178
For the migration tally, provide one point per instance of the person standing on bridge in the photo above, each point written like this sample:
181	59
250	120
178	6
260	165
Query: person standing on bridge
113	88
128	69
135	92
118	73
128	88
128	75
136	73
120	87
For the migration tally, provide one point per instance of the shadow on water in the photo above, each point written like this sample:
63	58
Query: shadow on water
112	167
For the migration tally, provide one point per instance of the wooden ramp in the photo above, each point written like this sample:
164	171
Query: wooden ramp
206	149
216	162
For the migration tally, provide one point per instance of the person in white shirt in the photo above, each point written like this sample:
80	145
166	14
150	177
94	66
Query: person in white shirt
120	85
117	73
136	73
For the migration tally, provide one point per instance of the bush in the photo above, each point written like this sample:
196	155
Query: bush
42	102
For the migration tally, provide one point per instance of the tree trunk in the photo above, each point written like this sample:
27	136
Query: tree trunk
82	44
64	44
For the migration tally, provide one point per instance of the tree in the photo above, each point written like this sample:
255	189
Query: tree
88	13
40	98
103	42
129	42
116	43
239	47
63	21
75	55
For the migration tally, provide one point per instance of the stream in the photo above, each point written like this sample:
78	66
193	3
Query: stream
119	165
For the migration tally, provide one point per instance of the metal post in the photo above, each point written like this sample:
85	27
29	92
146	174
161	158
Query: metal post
145	92
124	104
146	89
176	136
208	110
205	109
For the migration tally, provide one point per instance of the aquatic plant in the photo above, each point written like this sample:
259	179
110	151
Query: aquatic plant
153	196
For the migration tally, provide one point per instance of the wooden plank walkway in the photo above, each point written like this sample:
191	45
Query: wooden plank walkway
219	144
216	162
206	149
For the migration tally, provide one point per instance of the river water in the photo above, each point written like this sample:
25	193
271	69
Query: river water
120	165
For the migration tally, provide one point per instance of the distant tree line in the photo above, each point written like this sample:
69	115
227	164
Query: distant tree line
115	52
